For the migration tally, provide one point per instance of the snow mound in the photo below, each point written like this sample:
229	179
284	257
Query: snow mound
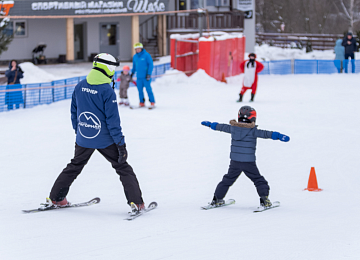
172	77
34	74
200	77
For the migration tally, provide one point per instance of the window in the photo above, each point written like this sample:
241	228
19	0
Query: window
194	4
17	28
210	3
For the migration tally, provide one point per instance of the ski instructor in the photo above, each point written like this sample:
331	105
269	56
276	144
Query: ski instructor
95	119
143	66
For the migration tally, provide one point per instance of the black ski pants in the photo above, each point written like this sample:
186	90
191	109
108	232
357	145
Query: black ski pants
82	155
251	171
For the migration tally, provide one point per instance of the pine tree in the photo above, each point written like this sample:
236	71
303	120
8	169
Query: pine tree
5	37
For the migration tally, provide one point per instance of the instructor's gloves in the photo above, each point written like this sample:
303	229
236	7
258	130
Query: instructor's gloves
148	77
209	124
122	153
281	137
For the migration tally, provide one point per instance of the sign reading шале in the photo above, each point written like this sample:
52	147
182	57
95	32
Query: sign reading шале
40	8
247	7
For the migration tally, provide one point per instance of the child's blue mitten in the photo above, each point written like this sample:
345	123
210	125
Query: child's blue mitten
281	137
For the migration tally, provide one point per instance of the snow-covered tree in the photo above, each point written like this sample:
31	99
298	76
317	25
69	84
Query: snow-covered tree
5	37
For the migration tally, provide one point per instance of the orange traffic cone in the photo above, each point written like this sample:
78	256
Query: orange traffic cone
312	184
223	78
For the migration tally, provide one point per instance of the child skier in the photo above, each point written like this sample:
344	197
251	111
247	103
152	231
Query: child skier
243	146
125	79
250	68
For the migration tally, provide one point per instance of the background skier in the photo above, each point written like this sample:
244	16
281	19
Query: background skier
143	66
350	47
339	54
243	145
125	79
14	74
95	119
250	68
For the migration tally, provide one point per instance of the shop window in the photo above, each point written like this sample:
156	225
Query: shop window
20	29
210	3
16	28
194	4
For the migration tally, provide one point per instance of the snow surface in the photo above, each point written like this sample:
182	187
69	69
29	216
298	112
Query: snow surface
267	53
179	162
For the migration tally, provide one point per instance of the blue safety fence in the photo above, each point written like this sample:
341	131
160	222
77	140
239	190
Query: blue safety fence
30	95
285	67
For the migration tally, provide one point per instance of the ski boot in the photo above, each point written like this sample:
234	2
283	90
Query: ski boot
240	98
252	97
265	202
121	102
55	204
126	102
136	208
217	202
142	104
152	105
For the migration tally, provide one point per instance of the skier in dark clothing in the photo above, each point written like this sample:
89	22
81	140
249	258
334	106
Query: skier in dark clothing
350	47
95	119
14	74
243	145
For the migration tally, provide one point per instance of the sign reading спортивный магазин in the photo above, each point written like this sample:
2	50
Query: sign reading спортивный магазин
38	8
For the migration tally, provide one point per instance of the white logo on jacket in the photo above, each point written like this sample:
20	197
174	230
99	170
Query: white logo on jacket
89	125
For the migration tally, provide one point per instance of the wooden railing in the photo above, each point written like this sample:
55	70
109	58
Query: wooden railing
285	40
211	20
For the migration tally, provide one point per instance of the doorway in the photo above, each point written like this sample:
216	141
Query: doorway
79	41
109	39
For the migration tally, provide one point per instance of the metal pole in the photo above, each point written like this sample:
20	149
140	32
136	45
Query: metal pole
200	12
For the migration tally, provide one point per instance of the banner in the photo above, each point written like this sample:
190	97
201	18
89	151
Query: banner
54	8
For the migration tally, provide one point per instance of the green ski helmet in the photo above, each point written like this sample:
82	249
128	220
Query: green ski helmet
105	63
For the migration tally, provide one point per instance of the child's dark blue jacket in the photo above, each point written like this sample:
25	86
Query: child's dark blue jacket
243	143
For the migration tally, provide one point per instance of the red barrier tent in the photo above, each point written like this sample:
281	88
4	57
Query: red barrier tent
218	53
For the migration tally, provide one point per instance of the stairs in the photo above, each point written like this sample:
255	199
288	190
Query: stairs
149	37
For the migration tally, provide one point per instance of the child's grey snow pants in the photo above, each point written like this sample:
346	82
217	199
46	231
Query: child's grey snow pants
251	171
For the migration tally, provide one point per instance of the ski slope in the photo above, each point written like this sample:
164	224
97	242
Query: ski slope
178	163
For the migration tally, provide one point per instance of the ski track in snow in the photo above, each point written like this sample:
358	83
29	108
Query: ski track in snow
178	163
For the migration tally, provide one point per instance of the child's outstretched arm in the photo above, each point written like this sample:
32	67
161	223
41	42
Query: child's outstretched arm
216	126
273	135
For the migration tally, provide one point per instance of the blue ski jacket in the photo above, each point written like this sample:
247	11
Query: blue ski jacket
95	116
142	64
243	139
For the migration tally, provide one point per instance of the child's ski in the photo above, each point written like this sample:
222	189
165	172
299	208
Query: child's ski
227	203
76	205
152	205
275	204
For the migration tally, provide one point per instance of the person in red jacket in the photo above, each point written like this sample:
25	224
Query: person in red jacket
250	68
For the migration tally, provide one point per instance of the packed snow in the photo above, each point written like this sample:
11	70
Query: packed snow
178	163
267	53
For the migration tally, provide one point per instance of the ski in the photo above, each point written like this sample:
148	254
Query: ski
151	107
152	205
227	203
75	205
275	204
132	107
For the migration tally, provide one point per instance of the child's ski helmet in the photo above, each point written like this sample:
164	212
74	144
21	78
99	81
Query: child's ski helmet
105	63
126	67
247	114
